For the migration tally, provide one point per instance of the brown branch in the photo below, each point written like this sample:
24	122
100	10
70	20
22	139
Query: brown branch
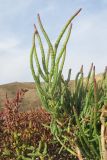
104	132
79	153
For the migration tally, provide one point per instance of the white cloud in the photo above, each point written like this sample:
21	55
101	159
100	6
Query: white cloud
14	61
8	43
14	66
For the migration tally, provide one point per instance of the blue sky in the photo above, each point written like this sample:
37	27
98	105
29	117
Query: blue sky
87	43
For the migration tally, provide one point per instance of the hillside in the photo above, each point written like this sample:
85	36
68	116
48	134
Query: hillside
31	99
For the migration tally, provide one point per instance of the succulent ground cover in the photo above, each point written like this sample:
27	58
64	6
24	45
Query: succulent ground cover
72	123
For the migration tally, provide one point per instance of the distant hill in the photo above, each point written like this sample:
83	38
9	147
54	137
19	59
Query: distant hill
31	100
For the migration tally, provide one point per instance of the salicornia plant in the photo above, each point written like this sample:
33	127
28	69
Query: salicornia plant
78	115
52	92
90	98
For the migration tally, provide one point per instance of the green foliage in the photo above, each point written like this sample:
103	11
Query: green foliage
53	92
75	114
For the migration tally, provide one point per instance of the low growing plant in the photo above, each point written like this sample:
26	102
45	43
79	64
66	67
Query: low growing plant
25	136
